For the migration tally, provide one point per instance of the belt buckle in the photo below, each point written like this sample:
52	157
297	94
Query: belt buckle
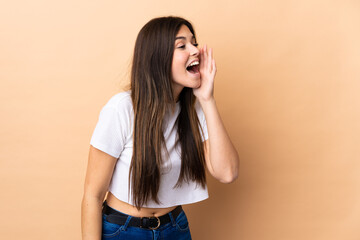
158	220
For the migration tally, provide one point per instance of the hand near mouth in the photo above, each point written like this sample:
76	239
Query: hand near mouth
207	75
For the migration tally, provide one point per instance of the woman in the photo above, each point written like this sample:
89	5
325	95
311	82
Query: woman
151	144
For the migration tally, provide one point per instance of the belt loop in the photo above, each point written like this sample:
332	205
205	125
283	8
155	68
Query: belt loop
172	219
127	222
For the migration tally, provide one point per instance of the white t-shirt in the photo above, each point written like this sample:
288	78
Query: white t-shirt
113	135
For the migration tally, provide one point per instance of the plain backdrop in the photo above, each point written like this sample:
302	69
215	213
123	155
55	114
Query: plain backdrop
287	89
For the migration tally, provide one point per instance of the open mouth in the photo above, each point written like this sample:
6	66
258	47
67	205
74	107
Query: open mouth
193	67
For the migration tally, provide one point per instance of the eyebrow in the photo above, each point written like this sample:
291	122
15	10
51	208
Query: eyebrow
184	38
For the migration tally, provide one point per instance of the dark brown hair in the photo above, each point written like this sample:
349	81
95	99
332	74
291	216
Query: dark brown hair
152	97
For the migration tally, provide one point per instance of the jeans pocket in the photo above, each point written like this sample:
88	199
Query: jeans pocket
182	223
109	229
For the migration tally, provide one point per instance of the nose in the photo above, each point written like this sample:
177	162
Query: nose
194	51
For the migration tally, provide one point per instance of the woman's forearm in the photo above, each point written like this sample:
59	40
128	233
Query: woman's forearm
91	218
223	156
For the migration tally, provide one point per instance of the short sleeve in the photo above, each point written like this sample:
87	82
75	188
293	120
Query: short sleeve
110	132
202	121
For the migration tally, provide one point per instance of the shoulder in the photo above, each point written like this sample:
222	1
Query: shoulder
120	101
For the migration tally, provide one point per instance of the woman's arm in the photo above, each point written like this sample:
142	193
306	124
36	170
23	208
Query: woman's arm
221	157
99	172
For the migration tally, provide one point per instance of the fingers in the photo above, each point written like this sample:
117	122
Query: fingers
213	67
202	58
205	56
207	61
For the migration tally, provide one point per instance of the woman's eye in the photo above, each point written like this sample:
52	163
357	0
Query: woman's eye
183	46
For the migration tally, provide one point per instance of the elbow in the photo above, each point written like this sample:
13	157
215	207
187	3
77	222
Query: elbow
229	178
94	194
231	175
228	173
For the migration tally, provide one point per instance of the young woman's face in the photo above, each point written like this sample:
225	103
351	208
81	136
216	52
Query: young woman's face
185	63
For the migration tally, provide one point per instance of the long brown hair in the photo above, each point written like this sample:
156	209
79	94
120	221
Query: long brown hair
152	97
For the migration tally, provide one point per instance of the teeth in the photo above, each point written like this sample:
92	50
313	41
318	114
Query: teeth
194	63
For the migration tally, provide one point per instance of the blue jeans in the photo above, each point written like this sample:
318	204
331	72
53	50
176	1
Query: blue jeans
177	229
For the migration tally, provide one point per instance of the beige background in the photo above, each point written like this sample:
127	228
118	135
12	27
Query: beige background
287	89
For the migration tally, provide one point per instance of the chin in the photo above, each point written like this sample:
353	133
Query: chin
194	82
197	85
189	82
194	85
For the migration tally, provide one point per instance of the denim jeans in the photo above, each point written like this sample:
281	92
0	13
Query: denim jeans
177	229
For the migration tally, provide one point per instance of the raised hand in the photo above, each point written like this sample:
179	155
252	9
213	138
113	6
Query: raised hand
207	75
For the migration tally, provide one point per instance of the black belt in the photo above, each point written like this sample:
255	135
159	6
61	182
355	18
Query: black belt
152	223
